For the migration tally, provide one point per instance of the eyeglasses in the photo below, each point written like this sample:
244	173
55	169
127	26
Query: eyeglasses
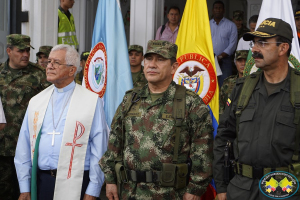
261	44
56	64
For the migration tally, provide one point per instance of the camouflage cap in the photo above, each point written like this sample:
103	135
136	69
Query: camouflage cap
19	41
241	54
84	55
135	47
238	15
164	48
271	27
297	14
45	50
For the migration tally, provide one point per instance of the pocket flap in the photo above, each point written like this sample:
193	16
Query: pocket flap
247	115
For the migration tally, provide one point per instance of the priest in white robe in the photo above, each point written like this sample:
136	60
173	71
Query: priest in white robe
63	136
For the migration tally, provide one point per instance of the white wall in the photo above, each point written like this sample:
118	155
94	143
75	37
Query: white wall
42	25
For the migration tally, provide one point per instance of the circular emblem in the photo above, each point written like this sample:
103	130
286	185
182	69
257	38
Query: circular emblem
279	185
95	70
250	65
196	73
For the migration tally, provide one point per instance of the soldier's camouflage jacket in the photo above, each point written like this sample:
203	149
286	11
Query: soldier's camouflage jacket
149	142
225	91
140	81
16	89
242	31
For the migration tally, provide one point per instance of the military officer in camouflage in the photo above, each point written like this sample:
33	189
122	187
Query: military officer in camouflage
42	56
155	144
229	83
238	17
19	81
135	58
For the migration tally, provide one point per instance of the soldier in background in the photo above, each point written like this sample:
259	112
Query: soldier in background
42	55
150	146
229	83
238	19
135	58
83	57
19	81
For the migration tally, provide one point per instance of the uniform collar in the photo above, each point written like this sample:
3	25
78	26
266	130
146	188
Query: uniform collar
168	94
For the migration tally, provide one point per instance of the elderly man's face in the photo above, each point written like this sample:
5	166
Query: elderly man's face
42	60
18	58
58	72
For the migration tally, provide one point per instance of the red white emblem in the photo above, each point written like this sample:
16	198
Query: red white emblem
95	70
196	73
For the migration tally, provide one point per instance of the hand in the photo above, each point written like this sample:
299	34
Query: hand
25	196
188	196
88	197
221	196
112	191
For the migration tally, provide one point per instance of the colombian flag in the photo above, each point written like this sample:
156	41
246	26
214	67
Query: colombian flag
195	46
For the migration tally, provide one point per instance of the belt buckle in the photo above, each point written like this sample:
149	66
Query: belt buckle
257	172
140	176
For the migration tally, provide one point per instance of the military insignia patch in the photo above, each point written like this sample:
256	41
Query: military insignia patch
196	73
95	70
279	185
228	102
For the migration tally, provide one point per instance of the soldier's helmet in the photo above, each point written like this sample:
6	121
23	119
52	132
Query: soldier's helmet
44	50
18	40
135	47
164	48
238	15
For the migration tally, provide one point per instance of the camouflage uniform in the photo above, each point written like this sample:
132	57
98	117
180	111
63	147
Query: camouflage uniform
79	76
44	50
226	89
149	131
140	80
229	83
239	16
16	89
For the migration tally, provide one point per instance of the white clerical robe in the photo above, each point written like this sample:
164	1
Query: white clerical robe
49	154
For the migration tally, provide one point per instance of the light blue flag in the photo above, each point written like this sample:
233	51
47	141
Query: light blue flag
109	29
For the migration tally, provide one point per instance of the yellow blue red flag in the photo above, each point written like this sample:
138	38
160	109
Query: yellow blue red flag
195	54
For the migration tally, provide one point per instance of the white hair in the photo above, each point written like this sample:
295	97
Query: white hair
72	56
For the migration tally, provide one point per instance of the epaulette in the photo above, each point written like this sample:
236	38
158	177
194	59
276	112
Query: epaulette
129	91
190	92
230	77
37	66
297	72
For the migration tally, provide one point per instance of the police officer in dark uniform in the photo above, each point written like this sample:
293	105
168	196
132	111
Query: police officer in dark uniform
261	121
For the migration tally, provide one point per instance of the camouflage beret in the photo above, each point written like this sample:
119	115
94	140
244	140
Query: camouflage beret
45	50
238	15
241	54
164	48
19	41
84	55
135	47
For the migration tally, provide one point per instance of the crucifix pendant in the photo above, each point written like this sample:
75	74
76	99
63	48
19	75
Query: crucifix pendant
53	135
